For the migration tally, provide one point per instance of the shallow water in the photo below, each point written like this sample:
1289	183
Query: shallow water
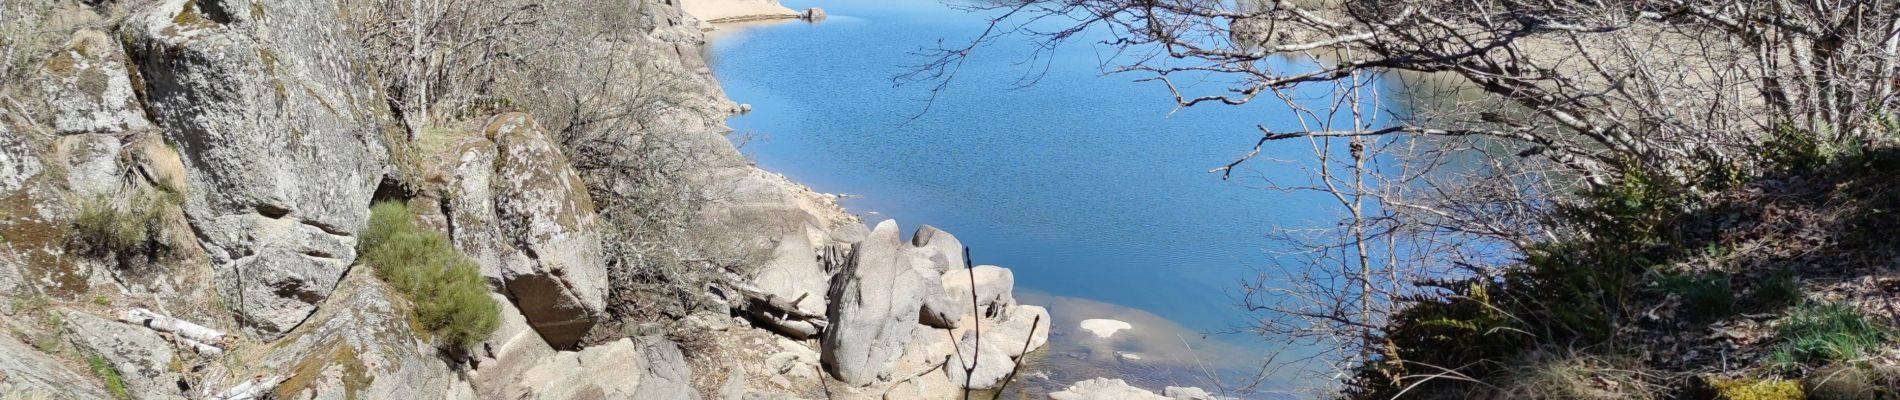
1084	185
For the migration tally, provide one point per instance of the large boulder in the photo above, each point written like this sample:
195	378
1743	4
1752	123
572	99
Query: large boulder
508	353
941	309
362	345
545	210
28	374
631	368
874	304
793	273
1022	329
944	251
281	142
993	286
142	359
978	363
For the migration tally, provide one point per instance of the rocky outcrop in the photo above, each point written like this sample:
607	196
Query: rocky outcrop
632	368
281	142
874	303
544	209
28	374
362	344
142	359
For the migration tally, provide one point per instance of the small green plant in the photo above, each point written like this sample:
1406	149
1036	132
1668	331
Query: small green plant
450	295
1820	333
1777	290
101	300
114	383
1705	296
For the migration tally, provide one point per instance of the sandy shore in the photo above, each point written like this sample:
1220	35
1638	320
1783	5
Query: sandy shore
736	10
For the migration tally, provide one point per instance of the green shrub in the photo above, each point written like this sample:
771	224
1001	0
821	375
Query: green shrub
450	295
1706	296
114	383
1777	290
1819	333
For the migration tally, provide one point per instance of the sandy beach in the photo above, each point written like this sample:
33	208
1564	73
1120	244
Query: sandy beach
737	10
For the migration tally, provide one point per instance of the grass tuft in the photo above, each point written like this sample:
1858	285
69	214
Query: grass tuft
114	383
450	295
1819	333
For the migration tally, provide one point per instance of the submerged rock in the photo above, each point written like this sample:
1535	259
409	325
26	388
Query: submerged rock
874	304
1104	388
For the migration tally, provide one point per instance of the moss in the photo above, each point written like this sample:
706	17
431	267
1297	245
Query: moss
62	64
1756	389
305	374
114	383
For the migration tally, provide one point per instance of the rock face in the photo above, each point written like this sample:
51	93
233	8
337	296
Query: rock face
361	345
142	359
27	374
261	100
632	368
88	89
874	303
544	208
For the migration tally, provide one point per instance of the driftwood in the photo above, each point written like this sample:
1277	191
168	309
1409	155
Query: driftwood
757	301
199	338
255	388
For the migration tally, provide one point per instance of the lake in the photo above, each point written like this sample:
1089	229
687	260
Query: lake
1093	189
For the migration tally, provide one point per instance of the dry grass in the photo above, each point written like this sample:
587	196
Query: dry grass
1569	375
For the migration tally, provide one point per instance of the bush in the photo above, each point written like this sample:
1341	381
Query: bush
102	228
1820	333
1705	296
450	295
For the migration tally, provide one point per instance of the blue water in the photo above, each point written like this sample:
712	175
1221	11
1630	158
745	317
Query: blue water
1084	184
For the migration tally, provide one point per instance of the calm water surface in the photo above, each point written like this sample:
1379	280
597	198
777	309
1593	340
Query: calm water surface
1083	184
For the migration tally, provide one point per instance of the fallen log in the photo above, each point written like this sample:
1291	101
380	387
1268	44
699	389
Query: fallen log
204	340
253	389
